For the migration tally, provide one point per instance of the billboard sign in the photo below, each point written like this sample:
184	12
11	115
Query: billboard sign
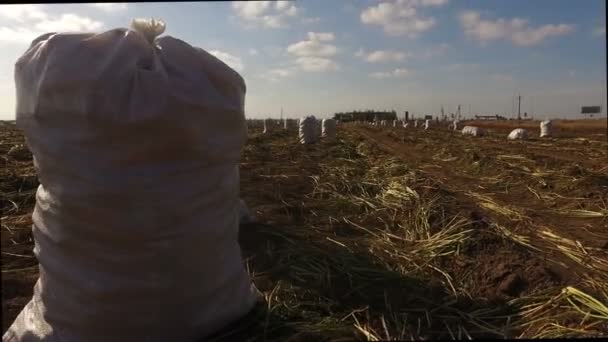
591	109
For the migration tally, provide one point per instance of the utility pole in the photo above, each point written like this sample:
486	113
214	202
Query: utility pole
532	107
458	112
519	107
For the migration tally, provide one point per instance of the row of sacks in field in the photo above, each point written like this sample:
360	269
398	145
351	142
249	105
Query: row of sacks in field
310	130
272	124
397	123
516	134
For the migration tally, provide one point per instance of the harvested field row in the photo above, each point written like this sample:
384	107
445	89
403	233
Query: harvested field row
386	235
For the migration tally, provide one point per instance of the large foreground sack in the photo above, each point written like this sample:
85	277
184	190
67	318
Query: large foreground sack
545	128
518	134
329	129
474	131
137	143
307	132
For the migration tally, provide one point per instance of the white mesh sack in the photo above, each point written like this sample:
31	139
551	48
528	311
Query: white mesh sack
405	124
518	134
394	123
329	129
426	124
383	123
308	130
455	125
415	123
474	131
137	143
268	126
546	128
318	129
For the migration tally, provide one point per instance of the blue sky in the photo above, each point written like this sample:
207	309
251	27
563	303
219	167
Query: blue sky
320	56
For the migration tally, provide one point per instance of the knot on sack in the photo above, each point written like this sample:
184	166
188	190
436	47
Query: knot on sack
149	28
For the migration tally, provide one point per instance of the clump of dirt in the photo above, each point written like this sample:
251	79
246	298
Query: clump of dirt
20	153
499	269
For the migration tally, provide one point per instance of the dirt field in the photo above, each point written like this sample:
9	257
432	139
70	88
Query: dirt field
392	233
589	128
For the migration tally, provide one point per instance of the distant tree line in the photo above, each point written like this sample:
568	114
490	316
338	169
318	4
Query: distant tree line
365	115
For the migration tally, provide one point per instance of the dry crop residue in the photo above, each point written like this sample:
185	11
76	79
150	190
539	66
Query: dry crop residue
398	234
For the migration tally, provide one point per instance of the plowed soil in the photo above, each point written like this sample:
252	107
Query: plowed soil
315	249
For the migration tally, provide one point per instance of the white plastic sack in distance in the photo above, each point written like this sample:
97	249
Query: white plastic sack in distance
405	124
518	134
415	123
137	142
383	123
426	124
545	128
318	129
329	129
268	126
308	130
394	123
474	131
455	125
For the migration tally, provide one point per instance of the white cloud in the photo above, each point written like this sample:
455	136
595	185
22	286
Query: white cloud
282	72
397	73
110	7
275	75
230	60
434	2
314	54
317	64
253	52
22	13
251	9
314	46
31	21
311	20
18	35
322	37
515	30
69	23
401	17
270	14
282	4
382	56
